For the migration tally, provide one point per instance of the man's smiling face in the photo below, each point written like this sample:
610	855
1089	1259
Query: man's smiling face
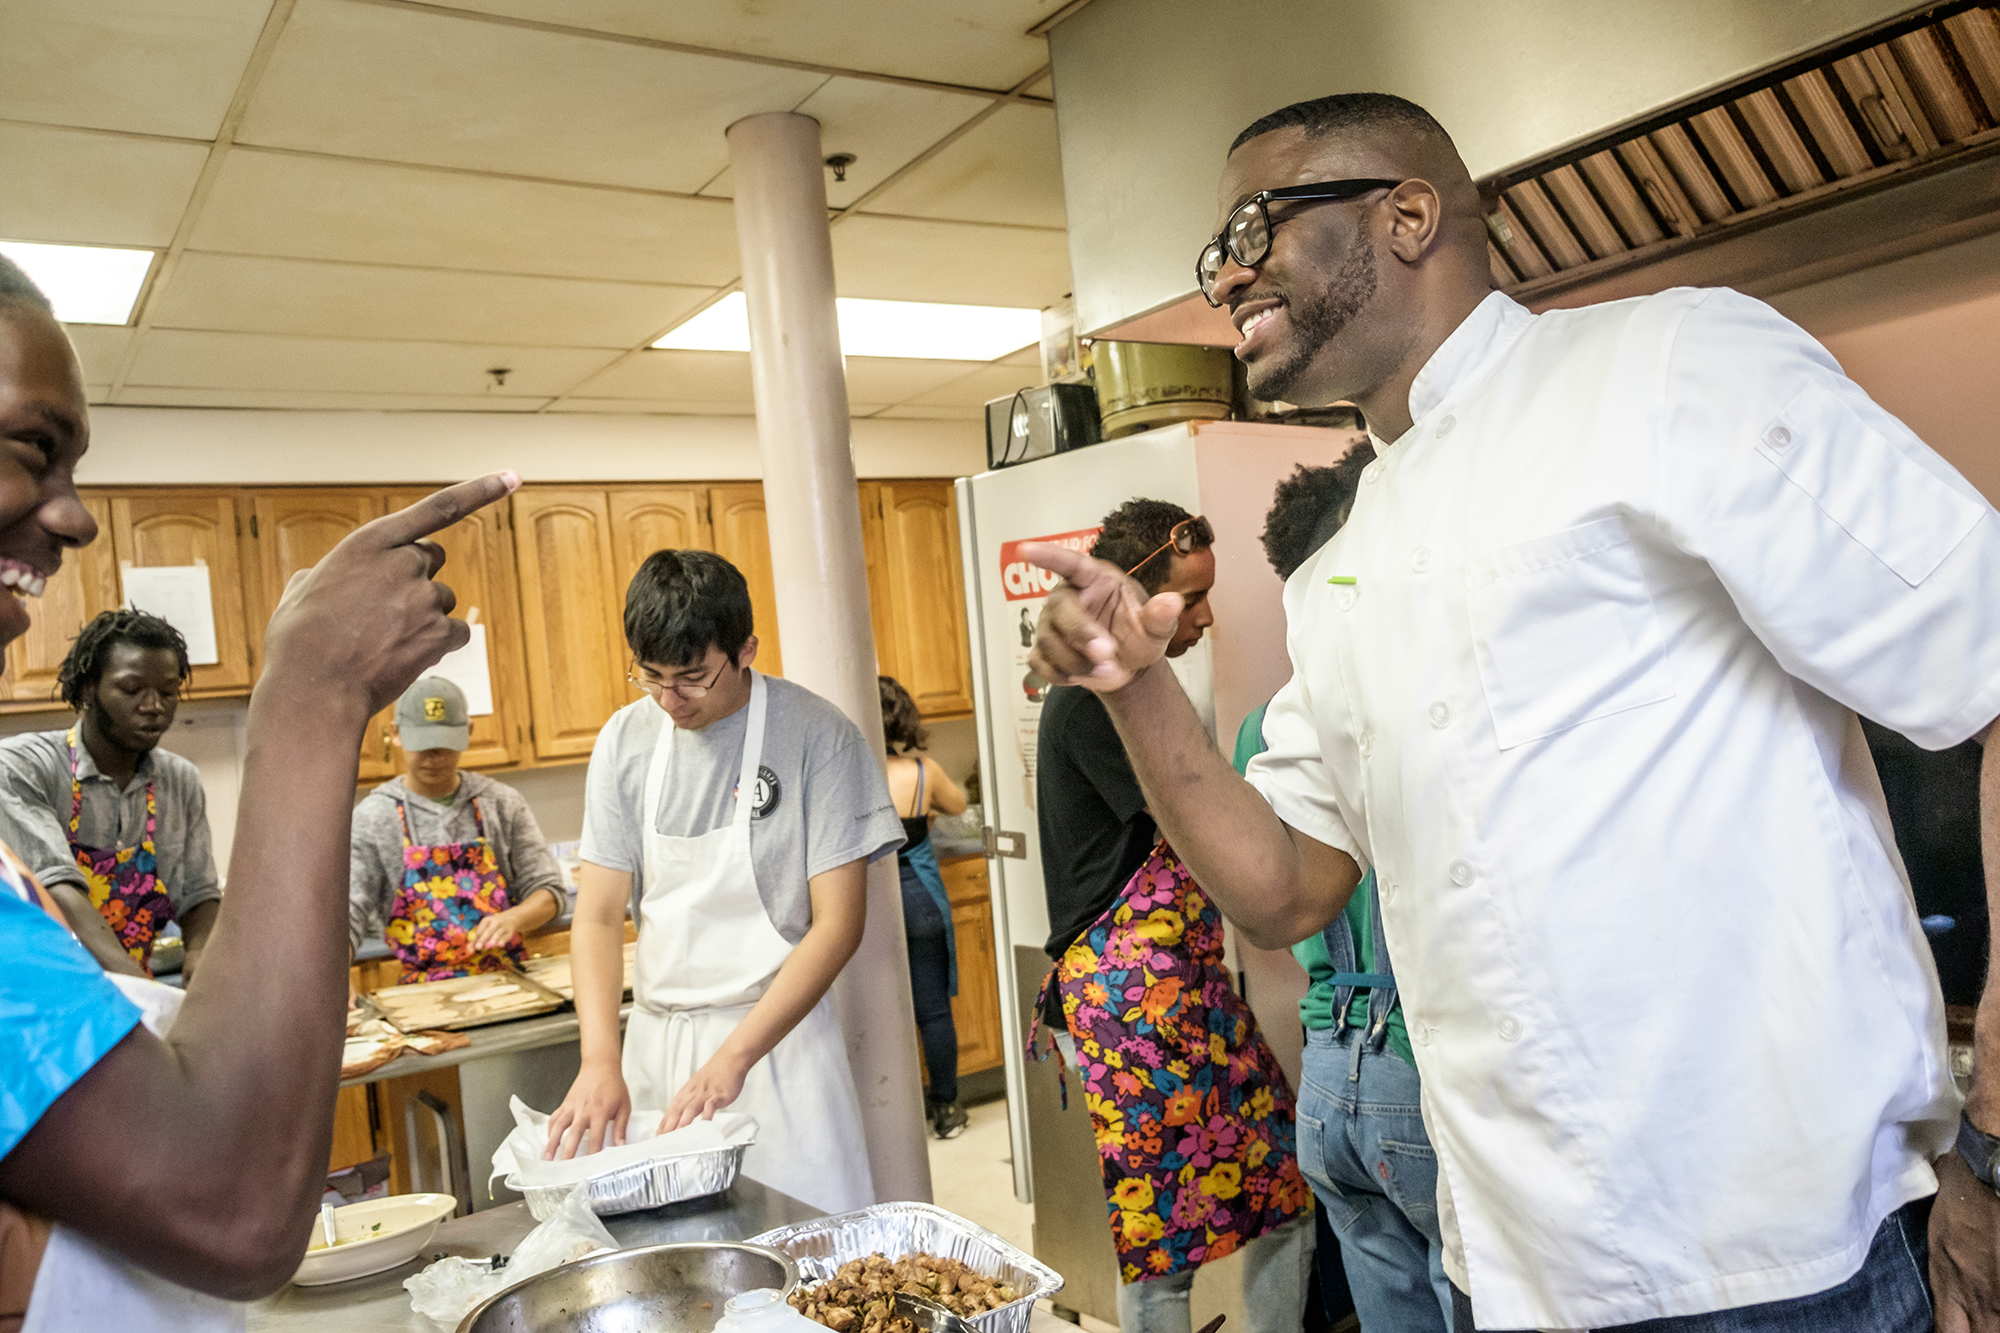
1299	306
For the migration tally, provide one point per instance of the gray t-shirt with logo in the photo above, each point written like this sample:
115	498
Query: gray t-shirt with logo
823	800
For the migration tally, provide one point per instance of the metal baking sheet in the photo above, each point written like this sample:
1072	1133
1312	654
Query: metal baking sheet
651	1184
821	1246
389	1000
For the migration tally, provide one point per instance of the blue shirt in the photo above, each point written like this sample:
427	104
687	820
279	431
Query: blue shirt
59	1015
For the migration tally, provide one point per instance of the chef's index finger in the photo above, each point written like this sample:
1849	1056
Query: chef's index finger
1063	562
441	509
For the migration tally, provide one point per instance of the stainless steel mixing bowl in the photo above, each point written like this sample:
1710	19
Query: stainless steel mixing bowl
677	1288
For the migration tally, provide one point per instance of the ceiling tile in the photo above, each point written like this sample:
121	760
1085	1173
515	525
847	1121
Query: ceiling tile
673	376
1005	169
886	379
1044	87
179	358
407	86
95	394
251	295
100	348
975	43
148	66
319	208
930	412
976	389
93	189
301	401
903	259
883	124
1031	355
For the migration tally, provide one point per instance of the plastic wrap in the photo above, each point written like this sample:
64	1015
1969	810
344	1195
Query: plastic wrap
821	1246
645	1172
447	1290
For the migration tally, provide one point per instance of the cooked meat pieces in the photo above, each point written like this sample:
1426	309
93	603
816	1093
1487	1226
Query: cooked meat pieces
859	1298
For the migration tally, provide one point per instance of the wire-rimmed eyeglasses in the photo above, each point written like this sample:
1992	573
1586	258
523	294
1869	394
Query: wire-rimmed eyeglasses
1246	237
1187	536
685	689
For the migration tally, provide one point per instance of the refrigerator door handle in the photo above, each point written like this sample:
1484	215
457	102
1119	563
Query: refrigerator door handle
999	842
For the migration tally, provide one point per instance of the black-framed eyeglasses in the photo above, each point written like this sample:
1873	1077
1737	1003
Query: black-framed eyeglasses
1246	237
1187	536
685	689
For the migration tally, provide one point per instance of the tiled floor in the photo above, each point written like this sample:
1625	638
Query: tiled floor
972	1175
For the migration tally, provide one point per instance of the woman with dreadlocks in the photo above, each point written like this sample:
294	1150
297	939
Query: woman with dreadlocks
115	827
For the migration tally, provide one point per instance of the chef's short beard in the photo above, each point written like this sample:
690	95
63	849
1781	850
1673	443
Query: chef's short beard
1316	320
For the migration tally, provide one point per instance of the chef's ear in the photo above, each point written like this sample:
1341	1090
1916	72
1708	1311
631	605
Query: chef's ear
748	652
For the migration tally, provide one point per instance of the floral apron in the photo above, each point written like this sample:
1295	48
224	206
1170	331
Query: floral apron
1193	1116
124	882
448	888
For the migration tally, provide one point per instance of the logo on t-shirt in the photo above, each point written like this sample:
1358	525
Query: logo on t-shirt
765	794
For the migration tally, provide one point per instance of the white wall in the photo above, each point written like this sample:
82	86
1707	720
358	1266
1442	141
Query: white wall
137	446
1149	94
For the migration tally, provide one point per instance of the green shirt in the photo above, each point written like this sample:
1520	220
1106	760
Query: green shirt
1316	1009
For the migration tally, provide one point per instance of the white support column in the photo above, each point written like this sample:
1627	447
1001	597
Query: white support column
814	514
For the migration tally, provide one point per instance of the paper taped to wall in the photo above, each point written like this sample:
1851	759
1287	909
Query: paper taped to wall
467	669
179	595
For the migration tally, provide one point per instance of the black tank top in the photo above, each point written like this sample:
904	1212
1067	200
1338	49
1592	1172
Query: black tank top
916	827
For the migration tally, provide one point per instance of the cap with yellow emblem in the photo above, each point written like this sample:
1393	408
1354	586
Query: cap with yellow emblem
431	716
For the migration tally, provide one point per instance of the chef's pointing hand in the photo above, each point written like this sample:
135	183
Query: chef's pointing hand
1099	629
369	617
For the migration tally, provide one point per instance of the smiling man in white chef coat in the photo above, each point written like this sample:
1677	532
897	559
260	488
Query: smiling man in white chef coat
738	814
1579	680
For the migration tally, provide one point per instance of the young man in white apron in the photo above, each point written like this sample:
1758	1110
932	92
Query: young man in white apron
747	908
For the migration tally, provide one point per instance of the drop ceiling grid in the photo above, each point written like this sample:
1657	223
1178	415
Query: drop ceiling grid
301	250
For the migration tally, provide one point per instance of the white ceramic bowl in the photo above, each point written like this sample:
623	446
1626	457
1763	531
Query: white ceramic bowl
387	1232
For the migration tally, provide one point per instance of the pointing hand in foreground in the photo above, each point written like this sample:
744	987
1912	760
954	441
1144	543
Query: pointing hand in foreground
1099	629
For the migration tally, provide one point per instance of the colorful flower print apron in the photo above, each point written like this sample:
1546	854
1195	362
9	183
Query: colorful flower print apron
1193	1116
448	888
707	953
124	882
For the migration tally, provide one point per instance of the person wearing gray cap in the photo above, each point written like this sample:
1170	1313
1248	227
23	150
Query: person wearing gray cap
452	864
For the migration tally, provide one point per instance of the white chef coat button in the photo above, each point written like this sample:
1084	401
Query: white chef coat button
1462	874
1372	475
1420	559
1367	744
1440	714
1423	1032
1778	437
1509	1027
1444	427
1345	599
1389	891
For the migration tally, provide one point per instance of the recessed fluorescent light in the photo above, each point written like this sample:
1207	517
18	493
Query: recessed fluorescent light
87	284
920	329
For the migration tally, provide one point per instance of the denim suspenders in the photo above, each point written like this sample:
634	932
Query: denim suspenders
1380	985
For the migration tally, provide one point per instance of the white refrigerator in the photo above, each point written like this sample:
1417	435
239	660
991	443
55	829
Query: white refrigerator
1227	471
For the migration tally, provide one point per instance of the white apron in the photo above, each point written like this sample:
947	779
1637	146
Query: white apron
707	952
82	1287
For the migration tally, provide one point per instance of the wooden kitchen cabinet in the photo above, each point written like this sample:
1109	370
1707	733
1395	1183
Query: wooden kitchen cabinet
354	1122
916	592
645	519
743	538
479	569
574	639
975	1010
293	530
86	584
192	526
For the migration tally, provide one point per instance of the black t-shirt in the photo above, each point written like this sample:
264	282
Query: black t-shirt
1095	829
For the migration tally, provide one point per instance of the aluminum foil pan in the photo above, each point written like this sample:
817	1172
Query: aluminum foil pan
820	1247
652	1184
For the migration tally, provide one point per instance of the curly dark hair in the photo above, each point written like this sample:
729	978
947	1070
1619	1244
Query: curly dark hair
1310	506
1133	531
17	288
93	644
902	728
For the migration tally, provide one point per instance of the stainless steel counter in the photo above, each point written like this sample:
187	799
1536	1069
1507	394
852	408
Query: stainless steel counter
379	1303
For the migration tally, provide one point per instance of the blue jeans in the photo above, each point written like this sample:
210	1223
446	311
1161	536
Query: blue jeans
1363	1147
1891	1293
930	986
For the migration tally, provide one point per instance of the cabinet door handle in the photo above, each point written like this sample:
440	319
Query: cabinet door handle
385	745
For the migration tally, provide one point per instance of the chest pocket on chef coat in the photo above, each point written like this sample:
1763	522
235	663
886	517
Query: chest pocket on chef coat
1564	631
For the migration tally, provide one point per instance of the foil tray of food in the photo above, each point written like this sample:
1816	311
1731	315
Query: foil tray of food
464	1002
826	1246
647	1171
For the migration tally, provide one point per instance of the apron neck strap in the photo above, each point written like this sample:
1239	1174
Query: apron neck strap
753	754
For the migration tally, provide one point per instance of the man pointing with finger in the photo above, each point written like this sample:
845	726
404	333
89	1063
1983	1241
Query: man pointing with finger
1578	681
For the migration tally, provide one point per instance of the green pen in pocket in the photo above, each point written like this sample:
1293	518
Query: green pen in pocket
1344	580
